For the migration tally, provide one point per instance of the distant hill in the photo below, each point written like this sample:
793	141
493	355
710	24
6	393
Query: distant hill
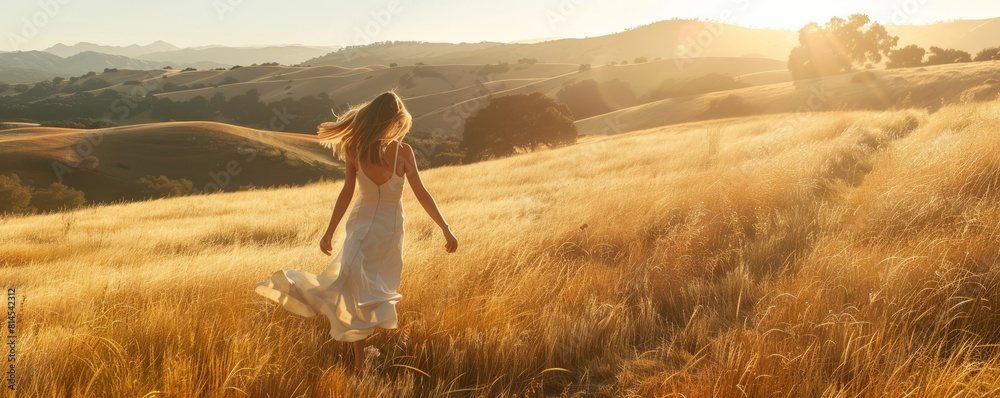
222	55
665	39
46	64
197	151
926	87
439	96
657	40
285	55
24	75
967	35
132	51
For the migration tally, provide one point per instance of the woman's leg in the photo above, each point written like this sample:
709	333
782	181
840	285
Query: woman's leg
359	354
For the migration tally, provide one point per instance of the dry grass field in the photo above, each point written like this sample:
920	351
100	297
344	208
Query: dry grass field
833	254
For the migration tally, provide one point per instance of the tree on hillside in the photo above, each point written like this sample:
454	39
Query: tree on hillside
590	98
246	108
906	57
987	54
516	123
838	46
164	187
57	197
435	151
941	56
15	197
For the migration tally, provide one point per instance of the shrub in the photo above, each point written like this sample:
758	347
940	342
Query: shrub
906	57
66	124
89	163
941	56
15	198
57	197
163	187
987	54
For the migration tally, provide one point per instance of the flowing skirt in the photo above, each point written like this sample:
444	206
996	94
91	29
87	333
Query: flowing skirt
357	291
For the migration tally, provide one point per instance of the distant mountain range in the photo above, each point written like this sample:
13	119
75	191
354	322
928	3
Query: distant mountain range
17	67
169	53
133	51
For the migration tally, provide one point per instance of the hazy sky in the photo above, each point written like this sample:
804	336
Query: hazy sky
35	25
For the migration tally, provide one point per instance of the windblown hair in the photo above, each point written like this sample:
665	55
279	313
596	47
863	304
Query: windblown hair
365	130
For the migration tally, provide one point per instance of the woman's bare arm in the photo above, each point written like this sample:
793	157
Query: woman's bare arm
343	201
425	198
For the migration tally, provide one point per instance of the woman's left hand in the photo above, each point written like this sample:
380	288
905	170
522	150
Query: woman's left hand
326	244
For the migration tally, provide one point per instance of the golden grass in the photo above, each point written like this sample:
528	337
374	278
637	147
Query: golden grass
851	255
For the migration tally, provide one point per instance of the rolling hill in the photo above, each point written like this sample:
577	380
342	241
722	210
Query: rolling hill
14	66
229	56
665	39
435	94
967	35
205	153
657	40
925	87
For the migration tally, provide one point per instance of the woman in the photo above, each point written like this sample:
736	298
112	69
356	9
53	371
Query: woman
357	291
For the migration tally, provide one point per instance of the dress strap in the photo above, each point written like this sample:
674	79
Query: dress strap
399	146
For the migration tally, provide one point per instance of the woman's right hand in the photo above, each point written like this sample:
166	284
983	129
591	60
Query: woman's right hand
451	242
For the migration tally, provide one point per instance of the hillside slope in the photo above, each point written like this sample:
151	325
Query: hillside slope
664	39
214	156
926	87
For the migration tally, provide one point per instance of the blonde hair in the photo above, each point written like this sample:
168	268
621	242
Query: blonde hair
365	130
